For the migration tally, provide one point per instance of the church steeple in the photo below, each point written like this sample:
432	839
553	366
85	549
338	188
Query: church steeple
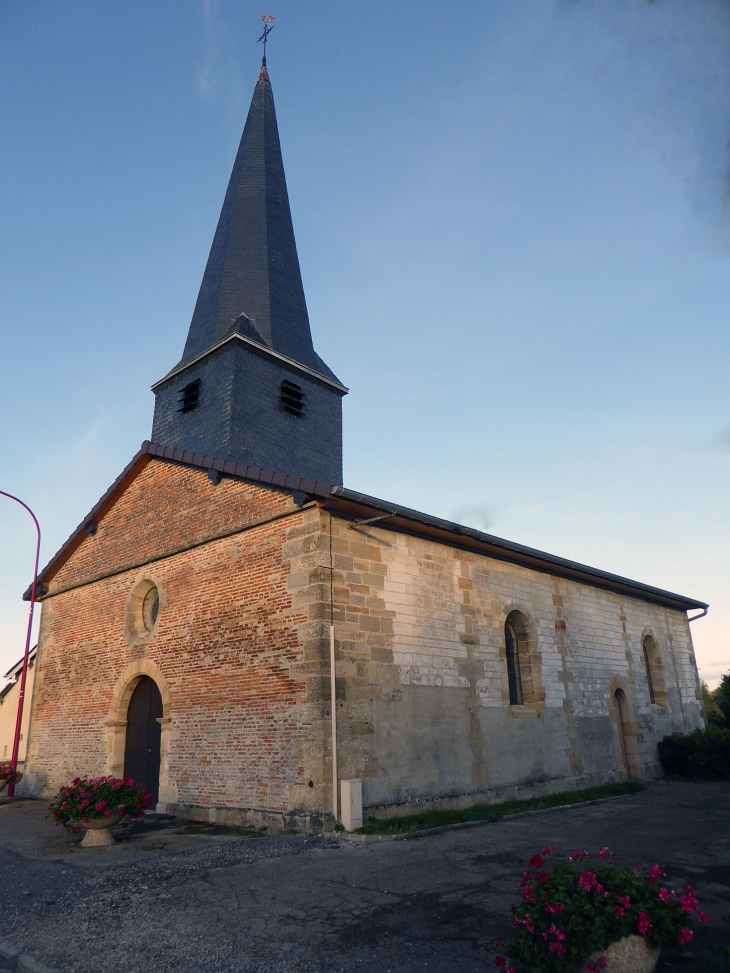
253	267
251	302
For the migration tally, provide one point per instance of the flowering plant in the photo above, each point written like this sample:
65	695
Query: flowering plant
8	774
85	799
573	907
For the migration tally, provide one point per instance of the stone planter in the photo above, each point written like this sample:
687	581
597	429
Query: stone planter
98	831
632	954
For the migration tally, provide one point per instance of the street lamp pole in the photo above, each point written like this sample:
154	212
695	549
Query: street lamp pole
24	674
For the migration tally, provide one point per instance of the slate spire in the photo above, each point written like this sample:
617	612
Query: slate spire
253	267
250	386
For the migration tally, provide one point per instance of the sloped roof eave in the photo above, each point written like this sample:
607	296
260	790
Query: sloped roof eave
360	506
149	451
425	525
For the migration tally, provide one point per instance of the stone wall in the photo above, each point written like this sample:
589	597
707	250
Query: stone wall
425	711
249	583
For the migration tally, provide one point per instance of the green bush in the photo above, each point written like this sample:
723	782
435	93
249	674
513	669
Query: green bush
717	702
702	753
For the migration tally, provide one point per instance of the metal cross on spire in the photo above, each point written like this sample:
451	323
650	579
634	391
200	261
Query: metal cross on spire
267	30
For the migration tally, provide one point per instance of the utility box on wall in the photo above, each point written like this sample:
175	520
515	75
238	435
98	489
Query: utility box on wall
351	793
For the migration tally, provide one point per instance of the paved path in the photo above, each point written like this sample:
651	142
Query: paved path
192	900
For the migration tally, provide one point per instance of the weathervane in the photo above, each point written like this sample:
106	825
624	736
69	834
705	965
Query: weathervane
267	30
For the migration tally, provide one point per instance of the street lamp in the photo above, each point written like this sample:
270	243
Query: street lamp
24	674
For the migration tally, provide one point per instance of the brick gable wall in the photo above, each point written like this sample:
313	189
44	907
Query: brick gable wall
232	647
168	506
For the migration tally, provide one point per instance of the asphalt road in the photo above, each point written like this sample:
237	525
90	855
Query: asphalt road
170	897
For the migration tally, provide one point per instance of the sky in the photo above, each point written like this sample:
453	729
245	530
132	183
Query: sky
513	221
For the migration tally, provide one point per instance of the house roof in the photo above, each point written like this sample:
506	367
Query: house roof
14	671
360	507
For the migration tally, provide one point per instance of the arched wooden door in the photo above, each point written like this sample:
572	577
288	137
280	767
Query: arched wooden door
142	749
622	719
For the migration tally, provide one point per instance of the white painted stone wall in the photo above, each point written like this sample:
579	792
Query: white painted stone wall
440	725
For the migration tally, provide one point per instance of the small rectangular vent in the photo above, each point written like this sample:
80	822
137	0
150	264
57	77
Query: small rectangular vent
292	398
189	396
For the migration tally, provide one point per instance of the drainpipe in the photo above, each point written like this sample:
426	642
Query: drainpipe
333	686
333	693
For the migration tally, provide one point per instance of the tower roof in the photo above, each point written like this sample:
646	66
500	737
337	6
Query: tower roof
252	283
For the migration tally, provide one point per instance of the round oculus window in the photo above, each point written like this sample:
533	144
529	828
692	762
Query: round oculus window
150	608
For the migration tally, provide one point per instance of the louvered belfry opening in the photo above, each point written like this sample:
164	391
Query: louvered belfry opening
189	396
292	398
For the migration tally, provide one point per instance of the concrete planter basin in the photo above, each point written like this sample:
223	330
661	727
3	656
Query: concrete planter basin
632	954
98	830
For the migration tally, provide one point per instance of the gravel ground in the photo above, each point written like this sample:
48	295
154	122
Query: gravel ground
196	899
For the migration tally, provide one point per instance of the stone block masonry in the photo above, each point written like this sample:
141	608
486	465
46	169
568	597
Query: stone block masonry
248	582
425	710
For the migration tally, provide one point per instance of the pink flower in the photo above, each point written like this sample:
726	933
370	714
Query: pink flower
702	916
536	861
593	968
643	924
510	969
543	877
655	873
587	880
619	911
688	901
604	852
525	879
626	901
528	895
685	934
547	850
100	806
599	887
500	961
664	894
560	950
554	908
528	923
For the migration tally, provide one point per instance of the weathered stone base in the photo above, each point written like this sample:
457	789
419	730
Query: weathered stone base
493	795
242	817
308	823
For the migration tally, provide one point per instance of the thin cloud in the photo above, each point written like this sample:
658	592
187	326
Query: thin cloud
205	79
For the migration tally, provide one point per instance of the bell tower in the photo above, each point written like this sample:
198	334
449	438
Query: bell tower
250	386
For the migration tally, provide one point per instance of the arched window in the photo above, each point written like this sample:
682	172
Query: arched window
647	667
523	662
654	671
514	676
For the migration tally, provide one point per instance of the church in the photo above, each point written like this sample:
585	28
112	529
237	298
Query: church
261	645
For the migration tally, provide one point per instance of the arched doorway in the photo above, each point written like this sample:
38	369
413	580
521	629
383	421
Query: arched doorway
622	719
142	747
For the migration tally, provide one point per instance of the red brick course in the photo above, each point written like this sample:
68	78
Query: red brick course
225	639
